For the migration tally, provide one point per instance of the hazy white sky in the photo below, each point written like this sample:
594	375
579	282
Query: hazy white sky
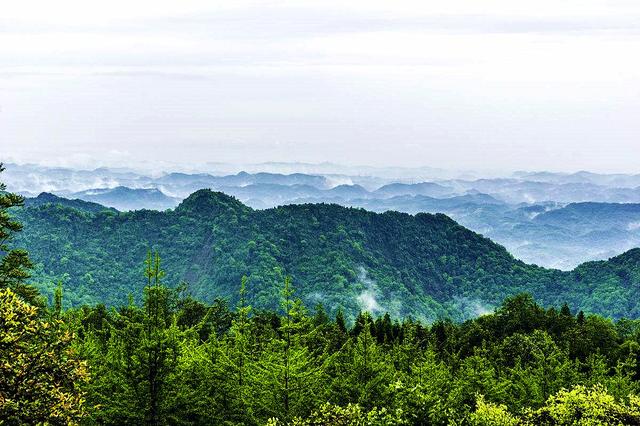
544	84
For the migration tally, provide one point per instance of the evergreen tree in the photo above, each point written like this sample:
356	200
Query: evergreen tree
233	361
158	346
288	377
340	321
14	263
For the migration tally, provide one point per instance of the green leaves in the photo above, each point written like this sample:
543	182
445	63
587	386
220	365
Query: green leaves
41	378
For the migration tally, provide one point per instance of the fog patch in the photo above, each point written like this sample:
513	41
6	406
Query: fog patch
633	226
167	192
367	298
333	181
472	307
316	297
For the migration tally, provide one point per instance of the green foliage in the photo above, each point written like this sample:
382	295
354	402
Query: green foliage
488	414
14	262
585	406
177	361
579	406
424	266
351	415
41	377
294	368
183	357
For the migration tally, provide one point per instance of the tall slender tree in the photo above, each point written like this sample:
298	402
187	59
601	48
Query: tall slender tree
14	262
156	301
287	376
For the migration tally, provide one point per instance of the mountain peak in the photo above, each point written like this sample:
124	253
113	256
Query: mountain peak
630	256
47	197
206	201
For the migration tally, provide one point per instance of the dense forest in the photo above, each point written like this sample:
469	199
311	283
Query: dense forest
175	359
422	266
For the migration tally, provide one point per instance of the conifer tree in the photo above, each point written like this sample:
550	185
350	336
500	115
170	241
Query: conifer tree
57	300
232	358
340	321
157	308
14	262
287	376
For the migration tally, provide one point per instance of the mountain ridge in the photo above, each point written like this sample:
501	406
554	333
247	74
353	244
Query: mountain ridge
425	265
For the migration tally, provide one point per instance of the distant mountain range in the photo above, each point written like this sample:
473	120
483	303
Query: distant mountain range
550	219
123	198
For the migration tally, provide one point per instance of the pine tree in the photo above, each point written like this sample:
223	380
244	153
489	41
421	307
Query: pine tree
320	318
156	300
57	300
340	321
14	263
231	364
288	378
360	369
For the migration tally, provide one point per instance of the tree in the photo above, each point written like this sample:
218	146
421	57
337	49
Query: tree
351	415
584	406
230	358
287	376
361	370
488	414
14	263
156	342
41	377
340	321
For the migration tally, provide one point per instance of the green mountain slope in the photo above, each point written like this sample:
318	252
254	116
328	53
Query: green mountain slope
425	266
47	198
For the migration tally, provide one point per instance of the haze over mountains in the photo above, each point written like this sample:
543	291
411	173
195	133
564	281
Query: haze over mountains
551	219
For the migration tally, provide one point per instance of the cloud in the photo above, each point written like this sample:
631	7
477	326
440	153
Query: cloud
633	226
367	298
458	83
472	307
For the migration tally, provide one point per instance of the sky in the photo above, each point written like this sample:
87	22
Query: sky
459	84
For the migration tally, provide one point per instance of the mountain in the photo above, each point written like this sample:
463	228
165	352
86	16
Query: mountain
348	192
34	178
618	180
425	266
515	191
563	234
429	189
592	216
183	183
509	210
271	194
46	198
123	198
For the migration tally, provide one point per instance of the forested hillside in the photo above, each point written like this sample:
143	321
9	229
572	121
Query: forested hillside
424	266
173	359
